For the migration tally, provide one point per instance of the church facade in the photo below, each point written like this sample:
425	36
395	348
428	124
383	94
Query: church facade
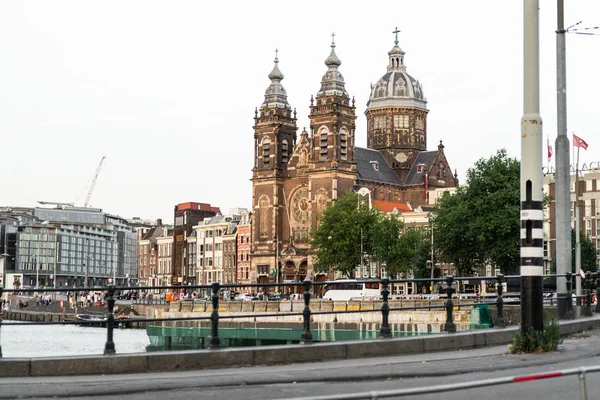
294	177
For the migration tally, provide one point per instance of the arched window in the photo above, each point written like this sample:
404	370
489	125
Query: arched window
323	143
343	144
266	152
284	151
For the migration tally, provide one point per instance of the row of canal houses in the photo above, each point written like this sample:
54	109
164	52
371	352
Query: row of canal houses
205	246
202	247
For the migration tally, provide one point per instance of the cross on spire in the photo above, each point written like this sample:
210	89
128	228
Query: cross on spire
276	52
333	38
396	32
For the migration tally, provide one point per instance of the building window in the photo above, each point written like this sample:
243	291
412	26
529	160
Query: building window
323	144
284	151
401	121
381	122
344	145
266	153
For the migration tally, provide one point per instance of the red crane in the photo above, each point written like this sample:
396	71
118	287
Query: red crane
93	184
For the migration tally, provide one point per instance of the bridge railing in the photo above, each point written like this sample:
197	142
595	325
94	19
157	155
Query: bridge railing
216	290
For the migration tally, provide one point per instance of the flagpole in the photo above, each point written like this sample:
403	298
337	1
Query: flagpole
578	288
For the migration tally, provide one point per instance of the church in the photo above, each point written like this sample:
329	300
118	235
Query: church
293	178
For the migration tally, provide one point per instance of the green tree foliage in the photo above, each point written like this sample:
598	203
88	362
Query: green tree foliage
479	224
588	253
343	227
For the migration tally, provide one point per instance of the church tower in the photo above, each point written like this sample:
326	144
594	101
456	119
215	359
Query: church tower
274	140
332	125
397	115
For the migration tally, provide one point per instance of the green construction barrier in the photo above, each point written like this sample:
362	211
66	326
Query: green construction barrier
481	317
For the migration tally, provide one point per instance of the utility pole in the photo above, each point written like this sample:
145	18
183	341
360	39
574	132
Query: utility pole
532	213
578	288
563	173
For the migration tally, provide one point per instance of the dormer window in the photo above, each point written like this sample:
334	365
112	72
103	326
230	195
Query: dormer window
375	165
420	168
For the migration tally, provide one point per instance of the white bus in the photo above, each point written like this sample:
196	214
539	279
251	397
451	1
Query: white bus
348	289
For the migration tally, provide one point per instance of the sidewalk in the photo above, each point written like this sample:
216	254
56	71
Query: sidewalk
496	359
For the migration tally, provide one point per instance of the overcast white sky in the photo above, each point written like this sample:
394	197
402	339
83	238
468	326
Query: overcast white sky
166	90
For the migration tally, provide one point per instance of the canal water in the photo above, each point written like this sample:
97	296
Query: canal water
24	341
67	340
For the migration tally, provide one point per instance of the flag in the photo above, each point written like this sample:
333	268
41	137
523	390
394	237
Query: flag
579	142
549	148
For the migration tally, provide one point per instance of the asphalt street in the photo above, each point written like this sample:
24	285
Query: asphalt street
341	377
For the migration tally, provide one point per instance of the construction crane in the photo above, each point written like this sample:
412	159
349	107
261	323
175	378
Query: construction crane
93	184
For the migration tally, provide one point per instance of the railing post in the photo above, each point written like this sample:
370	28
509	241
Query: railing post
597	293
109	348
306	336
385	331
449	326
569	276
499	323
214	317
1	317
588	294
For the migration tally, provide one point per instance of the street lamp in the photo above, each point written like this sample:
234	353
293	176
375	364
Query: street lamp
276	241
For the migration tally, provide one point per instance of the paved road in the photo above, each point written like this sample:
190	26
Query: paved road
348	376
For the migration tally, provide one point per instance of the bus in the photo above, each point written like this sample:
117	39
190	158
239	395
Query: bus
348	289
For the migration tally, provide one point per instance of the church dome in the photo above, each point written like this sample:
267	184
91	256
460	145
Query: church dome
396	88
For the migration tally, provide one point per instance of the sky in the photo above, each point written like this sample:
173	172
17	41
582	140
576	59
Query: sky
166	90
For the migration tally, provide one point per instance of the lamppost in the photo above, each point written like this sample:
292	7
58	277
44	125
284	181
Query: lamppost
86	261
36	260
276	240
432	251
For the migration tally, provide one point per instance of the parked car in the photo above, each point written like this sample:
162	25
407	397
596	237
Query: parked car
274	297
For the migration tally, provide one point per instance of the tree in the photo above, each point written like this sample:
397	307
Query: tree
479	224
387	244
588	253
345	227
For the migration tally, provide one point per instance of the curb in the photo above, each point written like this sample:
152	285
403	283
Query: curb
270	355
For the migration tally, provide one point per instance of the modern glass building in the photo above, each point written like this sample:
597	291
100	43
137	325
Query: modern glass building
72	246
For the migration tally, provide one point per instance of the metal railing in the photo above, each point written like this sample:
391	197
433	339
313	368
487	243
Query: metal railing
381	394
306	336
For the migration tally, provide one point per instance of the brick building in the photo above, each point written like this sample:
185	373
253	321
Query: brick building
294	178
186	216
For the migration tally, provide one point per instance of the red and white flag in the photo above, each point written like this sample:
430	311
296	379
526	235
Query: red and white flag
579	142
549	148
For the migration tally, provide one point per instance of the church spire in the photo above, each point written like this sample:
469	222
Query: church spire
275	95
332	82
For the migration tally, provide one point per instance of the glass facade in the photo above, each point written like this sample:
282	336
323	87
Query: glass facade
76	247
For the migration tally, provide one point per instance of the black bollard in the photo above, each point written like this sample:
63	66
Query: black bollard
306	336
588	294
449	326
214	317
109	348
385	331
499	322
597	293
